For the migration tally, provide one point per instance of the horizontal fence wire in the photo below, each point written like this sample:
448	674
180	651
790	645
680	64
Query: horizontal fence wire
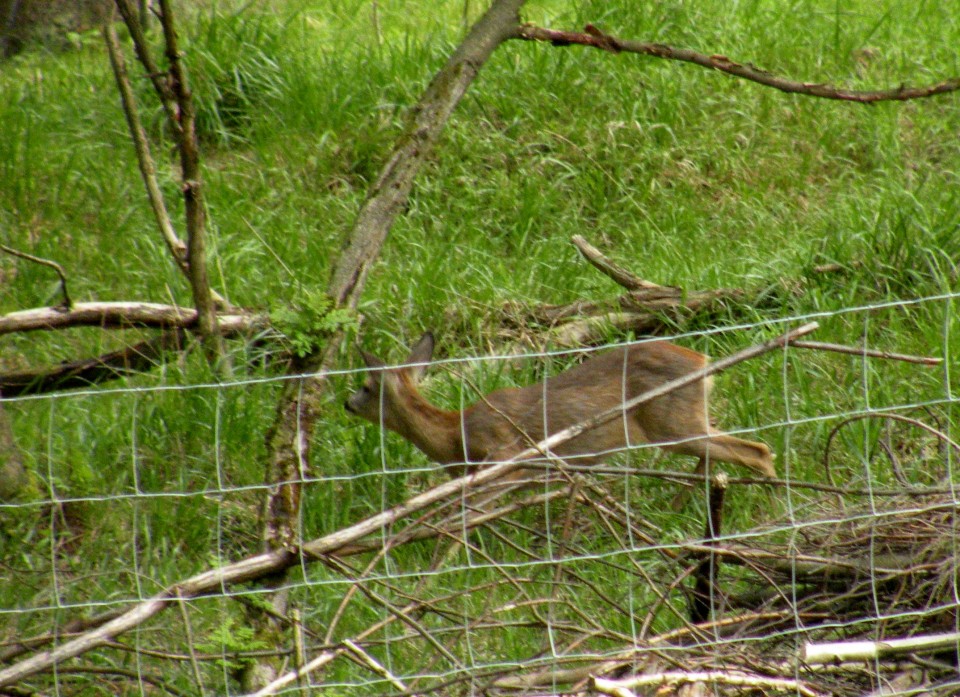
568	575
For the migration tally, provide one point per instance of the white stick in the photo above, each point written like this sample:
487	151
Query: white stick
866	650
623	688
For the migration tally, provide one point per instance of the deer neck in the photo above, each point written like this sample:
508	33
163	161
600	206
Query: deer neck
435	431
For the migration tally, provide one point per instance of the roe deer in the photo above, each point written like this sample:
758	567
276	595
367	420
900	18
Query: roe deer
508	421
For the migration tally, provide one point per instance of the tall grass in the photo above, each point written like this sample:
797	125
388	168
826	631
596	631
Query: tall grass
687	177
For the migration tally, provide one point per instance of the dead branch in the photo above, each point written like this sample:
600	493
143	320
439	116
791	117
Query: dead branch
138	358
192	190
586	323
277	560
837	652
609	268
158	77
120	315
624	687
426	121
645	308
300	404
67	303
858	351
148	169
705	590
594	38
375	665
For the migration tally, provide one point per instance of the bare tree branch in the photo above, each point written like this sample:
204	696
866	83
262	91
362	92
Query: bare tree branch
122	315
148	169
131	17
608	268
624	687
594	38
862	351
67	303
192	191
427	119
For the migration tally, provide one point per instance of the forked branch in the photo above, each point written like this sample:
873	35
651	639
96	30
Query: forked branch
594	38
67	303
148	169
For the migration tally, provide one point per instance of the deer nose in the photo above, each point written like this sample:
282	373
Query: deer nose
346	405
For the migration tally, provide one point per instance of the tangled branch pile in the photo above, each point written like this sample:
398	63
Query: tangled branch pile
880	572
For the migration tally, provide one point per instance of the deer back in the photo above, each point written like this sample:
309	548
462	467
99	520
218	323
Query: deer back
509	421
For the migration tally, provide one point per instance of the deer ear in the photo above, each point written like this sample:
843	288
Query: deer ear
421	353
370	360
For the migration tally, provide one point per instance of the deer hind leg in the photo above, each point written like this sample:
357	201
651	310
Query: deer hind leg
756	456
725	448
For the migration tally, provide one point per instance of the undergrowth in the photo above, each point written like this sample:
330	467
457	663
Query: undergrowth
686	177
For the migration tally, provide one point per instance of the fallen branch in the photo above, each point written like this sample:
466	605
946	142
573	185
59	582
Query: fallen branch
617	273
594	38
645	308
624	687
122	315
842	651
138	358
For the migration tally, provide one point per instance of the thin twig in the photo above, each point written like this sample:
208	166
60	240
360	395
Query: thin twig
375	665
67	304
594	38
323	658
943	437
858	351
193	656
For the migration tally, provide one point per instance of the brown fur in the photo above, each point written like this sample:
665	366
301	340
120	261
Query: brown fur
506	422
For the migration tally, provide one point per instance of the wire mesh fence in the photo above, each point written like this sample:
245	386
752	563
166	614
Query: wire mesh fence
135	564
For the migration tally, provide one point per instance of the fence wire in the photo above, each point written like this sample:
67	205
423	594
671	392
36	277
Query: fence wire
837	578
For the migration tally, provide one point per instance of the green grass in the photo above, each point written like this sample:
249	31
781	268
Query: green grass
687	177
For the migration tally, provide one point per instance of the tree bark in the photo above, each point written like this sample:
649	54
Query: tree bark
289	438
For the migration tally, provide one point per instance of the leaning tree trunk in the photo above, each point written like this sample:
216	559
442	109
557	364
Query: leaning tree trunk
289	438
